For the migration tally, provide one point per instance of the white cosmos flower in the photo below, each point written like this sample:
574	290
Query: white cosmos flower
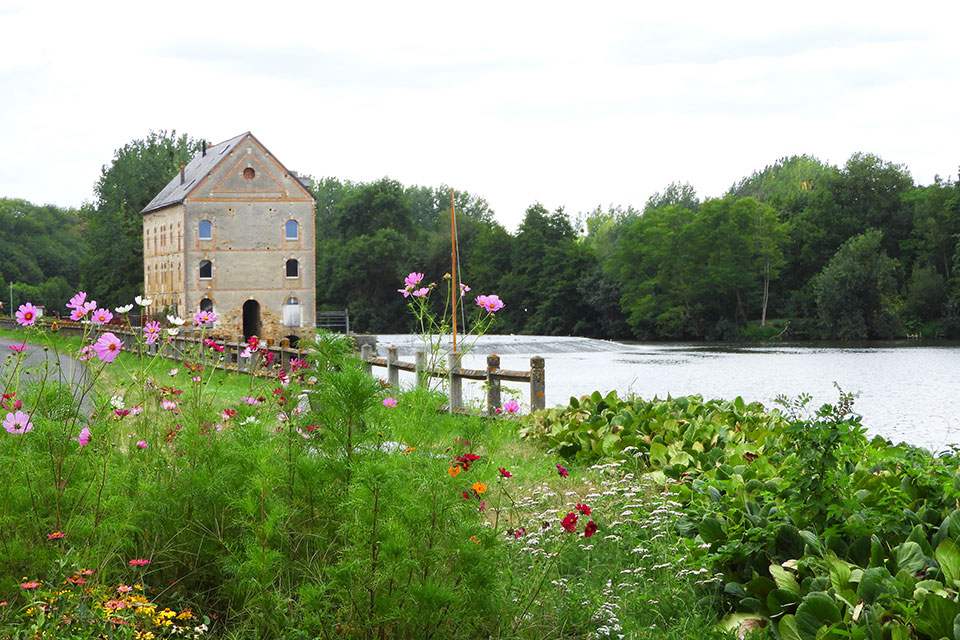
124	308
143	301
175	321
173	332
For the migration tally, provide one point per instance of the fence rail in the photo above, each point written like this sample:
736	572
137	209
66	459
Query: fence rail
493	375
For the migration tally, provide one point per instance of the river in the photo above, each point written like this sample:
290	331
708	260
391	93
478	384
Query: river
906	390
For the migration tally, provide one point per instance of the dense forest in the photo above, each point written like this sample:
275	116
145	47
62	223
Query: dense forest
801	249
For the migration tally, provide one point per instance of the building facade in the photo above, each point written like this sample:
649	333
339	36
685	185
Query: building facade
233	233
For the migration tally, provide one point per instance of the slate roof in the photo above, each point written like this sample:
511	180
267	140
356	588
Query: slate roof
193	173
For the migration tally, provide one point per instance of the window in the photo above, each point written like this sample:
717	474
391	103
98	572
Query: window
293	269
206	305
205	230
249	173
206	270
291	312
291	230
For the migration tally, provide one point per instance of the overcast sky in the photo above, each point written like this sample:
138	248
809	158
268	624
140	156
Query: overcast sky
566	104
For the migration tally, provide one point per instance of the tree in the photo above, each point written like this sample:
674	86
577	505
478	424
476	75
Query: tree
674	194
857	290
112	272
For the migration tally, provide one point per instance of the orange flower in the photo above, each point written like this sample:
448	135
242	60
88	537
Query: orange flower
474	538
454	471
409	449
479	487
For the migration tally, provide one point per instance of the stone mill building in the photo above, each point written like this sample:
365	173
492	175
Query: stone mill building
233	233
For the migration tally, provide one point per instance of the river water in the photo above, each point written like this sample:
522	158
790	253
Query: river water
906	391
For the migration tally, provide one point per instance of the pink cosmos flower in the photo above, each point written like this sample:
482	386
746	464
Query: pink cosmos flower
168	405
390	402
76	315
419	293
151	331
107	347
27	314
142	444
201	318
124	589
463	289
77	300
56	535
137	410
102	316
562	471
33	584
84	437
511	406
491	303
248	400
86	353
18	348
139	562
18	422
413	279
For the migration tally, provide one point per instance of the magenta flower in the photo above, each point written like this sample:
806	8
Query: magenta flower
562	471
413	279
102	316
168	405
511	406
152	332
390	402
27	314
107	347
504	473
76	302
139	562
33	584
248	400
491	303
76	315
405	292
84	437
18	348
201	318
419	293
86	353
18	422
142	444
463	289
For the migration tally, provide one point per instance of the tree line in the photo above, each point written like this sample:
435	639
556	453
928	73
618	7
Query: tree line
800	249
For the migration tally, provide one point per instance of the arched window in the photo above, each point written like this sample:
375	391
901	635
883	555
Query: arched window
291	230
205	230
206	305
292	300
291	312
206	270
293	269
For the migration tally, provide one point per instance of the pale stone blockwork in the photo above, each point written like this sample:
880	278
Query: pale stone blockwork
234	231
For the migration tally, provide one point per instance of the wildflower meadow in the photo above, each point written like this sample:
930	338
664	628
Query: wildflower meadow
160	498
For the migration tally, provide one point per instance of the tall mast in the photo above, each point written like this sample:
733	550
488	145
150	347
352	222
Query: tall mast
454	283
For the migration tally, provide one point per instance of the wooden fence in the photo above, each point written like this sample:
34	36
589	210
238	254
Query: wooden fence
493	375
177	345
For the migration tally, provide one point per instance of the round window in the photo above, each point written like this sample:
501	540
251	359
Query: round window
249	173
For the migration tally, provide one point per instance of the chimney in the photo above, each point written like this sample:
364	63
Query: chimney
182	177
204	148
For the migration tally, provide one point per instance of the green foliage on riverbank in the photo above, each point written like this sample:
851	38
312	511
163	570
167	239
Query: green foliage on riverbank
817	531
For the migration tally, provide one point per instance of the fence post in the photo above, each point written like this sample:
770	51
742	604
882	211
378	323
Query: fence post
284	356
393	374
366	352
493	384
456	382
422	375
538	386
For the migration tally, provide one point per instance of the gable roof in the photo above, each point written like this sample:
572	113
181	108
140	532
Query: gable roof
199	168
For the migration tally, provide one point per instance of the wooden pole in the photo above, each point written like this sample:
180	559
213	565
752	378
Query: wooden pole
454	284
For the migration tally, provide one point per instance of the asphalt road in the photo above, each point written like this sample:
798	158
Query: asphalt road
37	363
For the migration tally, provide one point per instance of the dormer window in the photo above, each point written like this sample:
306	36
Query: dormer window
205	230
291	230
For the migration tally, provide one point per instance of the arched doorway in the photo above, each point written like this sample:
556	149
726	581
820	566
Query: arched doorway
251	319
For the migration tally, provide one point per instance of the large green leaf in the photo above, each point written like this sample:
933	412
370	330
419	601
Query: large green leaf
937	616
788	628
817	610
948	556
874	582
909	557
711	530
785	580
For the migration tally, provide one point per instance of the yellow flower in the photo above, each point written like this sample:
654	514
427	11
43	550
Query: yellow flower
454	471
185	615
479	487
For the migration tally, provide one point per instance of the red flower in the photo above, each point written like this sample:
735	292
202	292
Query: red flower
562	471
590	529
584	509
569	522
504	473
466	496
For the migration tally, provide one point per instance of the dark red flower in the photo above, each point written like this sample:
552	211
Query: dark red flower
590	529
562	471
584	509
504	473
569	522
